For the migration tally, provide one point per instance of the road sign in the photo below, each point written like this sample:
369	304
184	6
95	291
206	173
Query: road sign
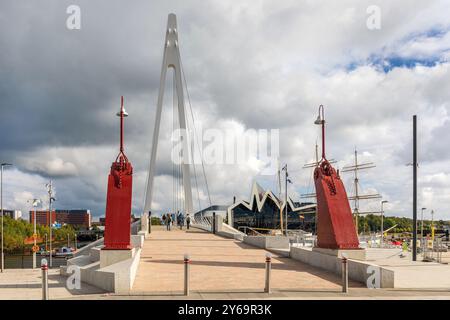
35	248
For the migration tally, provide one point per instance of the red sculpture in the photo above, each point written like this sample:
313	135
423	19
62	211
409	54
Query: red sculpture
335	227
118	199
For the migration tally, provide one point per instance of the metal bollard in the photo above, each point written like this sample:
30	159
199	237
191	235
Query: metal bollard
344	274
187	262
268	270
44	268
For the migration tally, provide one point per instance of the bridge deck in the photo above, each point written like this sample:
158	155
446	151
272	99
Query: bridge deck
218	265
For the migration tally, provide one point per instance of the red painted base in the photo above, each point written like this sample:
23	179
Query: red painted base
335	226
118	207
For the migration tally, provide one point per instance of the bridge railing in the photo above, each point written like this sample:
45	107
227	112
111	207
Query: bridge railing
203	222
135	227
86	249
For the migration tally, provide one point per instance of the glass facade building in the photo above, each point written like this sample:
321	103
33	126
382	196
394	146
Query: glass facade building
269	217
263	212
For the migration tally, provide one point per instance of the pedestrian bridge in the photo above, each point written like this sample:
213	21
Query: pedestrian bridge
219	264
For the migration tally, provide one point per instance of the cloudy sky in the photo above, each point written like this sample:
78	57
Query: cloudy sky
248	65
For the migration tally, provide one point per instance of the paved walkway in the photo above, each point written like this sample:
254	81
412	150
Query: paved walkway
26	284
220	265
221	269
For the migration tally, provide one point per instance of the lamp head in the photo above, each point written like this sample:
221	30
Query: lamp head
319	120
125	113
122	109
35	202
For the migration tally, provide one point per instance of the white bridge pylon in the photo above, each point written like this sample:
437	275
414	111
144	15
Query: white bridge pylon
171	59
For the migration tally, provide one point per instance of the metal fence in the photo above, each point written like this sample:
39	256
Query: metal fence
432	250
203	222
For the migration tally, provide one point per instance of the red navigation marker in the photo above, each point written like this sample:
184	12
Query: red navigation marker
335	227
118	199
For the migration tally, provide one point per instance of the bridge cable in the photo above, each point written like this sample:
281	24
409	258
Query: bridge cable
195	131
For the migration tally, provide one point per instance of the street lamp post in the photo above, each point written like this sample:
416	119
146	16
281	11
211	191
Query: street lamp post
382	225
35	203
1	206
50	200
321	121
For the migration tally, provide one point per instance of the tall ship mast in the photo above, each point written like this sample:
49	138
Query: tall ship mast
356	195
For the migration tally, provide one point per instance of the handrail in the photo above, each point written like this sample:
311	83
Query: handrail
204	222
85	250
135	227
251	229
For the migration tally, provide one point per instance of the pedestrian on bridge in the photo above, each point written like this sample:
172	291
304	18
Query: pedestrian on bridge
169	221
164	219
188	221
180	220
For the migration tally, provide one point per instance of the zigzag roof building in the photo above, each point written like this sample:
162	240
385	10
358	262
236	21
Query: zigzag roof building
263	212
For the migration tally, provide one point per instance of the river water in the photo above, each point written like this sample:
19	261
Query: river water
25	261
20	261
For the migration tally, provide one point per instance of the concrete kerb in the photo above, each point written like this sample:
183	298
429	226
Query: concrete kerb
267	242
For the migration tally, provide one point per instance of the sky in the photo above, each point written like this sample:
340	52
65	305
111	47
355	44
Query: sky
248	65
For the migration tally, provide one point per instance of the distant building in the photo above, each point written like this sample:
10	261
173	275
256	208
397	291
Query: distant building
264	211
13	214
208	212
80	218
99	223
95	224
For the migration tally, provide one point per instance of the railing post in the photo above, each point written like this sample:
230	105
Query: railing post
268	270
149	222
187	262
344	274
214	223
44	268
